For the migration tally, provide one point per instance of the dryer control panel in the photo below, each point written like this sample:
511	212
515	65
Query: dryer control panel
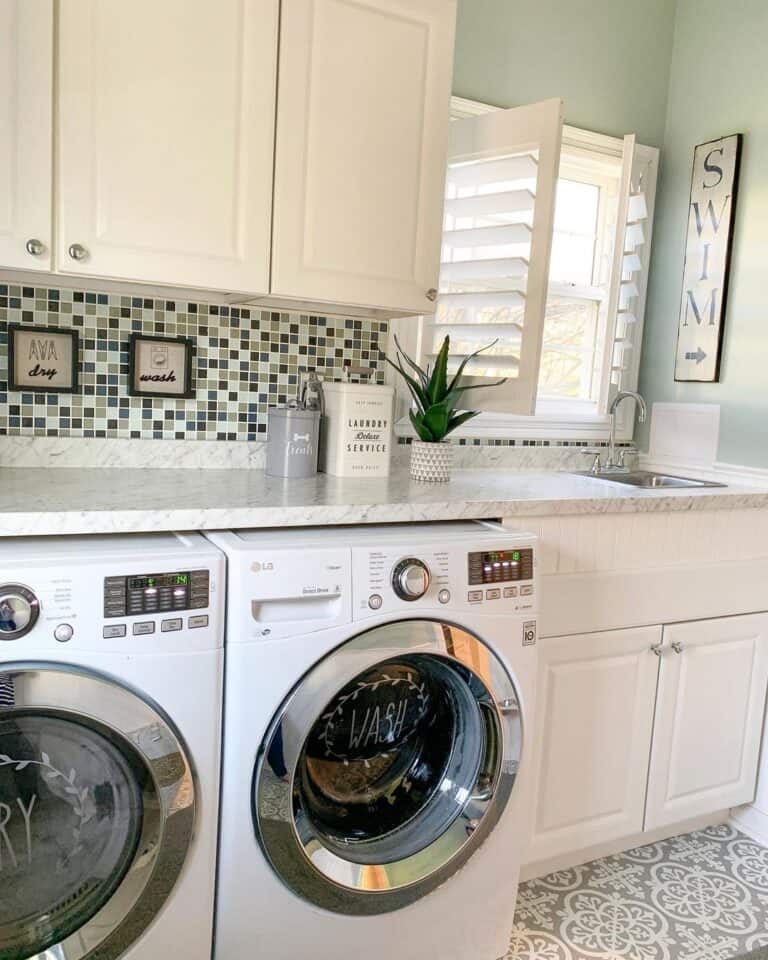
142	593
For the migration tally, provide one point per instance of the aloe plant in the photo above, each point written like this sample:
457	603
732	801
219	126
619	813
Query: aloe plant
436	399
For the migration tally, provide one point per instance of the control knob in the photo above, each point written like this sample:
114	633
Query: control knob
19	610
410	579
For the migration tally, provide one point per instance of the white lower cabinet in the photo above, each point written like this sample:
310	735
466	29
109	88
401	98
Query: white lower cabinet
594	721
645	728
709	718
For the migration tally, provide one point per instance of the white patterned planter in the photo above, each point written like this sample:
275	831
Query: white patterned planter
431	462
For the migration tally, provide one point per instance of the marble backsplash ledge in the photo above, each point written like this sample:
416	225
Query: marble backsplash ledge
90	452
22	451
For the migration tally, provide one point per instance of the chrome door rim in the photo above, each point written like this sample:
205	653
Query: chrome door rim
293	852
169	814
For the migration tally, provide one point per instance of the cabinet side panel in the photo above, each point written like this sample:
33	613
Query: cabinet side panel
26	78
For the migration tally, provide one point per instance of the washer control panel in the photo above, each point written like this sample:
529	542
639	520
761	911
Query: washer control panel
497	574
152	593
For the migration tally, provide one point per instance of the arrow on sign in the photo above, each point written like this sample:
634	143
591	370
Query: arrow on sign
698	355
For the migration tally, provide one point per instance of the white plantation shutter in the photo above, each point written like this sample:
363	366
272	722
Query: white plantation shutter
499	211
630	268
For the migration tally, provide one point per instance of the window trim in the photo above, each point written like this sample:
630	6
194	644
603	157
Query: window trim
549	422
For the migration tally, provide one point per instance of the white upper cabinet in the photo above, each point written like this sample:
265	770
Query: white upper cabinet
26	82
362	129
165	140
167	153
709	718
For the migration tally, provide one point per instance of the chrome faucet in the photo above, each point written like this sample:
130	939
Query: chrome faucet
615	461
642	412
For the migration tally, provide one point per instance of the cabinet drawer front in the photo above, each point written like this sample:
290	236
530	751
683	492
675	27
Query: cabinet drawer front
594	723
708	718
362	125
166	140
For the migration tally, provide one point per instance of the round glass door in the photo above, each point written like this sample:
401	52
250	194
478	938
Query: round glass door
82	819
387	766
71	813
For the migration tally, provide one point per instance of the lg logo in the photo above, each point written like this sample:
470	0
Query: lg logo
258	567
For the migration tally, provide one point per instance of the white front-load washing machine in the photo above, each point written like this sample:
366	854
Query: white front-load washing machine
111	662
380	689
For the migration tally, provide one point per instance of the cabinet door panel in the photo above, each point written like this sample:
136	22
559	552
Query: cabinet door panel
708	718
26	67
594	724
166	128
362	124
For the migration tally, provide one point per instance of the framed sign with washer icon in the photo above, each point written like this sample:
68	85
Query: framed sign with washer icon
160	367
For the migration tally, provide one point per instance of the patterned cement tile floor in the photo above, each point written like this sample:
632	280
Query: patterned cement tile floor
700	896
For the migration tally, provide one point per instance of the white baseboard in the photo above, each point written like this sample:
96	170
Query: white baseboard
530	871
751	821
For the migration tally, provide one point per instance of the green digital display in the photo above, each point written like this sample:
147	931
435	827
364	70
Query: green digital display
154	593
154	581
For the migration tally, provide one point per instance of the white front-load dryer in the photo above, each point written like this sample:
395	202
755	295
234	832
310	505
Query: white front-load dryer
111	661
379	701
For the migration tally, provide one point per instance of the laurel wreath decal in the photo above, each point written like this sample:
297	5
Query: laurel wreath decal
332	719
76	797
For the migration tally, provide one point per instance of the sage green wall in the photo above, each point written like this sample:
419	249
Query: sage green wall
718	86
607	59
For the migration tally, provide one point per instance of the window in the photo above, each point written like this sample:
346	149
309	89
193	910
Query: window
585	342
576	322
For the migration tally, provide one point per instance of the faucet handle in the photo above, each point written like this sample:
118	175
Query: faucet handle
622	452
596	452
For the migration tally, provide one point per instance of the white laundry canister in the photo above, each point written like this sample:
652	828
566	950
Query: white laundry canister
356	430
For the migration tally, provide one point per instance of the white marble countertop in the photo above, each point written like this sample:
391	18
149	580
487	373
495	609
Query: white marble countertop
49	501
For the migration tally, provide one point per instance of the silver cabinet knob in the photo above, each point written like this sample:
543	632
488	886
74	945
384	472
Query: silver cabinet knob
432	294
677	646
35	247
77	251
657	648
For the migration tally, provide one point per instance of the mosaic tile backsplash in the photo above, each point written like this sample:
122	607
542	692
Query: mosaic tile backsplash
245	361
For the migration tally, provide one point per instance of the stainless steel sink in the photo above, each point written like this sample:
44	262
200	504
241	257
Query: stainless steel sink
647	480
